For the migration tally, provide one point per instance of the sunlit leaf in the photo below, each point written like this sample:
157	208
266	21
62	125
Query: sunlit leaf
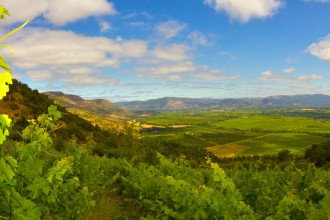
5	80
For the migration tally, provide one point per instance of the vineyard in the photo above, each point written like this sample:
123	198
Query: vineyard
142	177
242	132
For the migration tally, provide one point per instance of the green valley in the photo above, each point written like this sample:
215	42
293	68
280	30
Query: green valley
242	132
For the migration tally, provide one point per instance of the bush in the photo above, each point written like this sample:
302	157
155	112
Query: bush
319	154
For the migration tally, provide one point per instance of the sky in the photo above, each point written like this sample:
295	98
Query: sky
124	50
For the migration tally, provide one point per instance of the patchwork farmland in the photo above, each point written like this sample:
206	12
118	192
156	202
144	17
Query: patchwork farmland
241	132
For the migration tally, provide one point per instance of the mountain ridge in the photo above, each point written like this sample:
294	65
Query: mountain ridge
176	103
101	107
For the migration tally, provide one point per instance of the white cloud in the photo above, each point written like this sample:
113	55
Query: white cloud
183	70
170	29
39	75
174	52
104	26
174	77
165	71
64	53
58	12
82	70
88	80
21	10
321	49
279	77
213	74
245	10
305	78
288	70
36	48
197	38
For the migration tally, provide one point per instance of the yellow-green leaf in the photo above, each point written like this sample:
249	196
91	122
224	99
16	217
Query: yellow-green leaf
4	64
3	12
5	80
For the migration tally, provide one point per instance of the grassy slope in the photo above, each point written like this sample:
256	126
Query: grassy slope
104	123
97	106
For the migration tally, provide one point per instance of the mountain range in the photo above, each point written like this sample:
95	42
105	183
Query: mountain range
173	103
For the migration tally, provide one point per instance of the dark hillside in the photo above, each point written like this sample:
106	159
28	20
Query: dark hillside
22	103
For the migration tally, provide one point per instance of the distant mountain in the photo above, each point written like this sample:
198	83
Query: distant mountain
101	107
173	103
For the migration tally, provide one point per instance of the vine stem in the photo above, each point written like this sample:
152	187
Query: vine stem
12	32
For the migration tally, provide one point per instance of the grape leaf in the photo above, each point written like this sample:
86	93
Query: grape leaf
6	169
52	110
39	186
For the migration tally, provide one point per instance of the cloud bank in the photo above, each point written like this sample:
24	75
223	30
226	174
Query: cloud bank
284	76
57	12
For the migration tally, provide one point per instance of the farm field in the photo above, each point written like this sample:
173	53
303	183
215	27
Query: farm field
241	132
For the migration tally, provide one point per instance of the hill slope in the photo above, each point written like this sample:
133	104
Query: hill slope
101	107
172	103
23	103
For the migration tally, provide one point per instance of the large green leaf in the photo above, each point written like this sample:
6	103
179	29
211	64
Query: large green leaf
6	169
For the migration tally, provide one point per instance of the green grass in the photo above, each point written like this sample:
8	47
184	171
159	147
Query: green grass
269	123
321	127
225	138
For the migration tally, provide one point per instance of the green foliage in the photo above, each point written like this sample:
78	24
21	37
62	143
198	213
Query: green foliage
175	190
284	155
44	182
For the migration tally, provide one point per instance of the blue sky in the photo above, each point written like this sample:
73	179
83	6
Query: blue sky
124	50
